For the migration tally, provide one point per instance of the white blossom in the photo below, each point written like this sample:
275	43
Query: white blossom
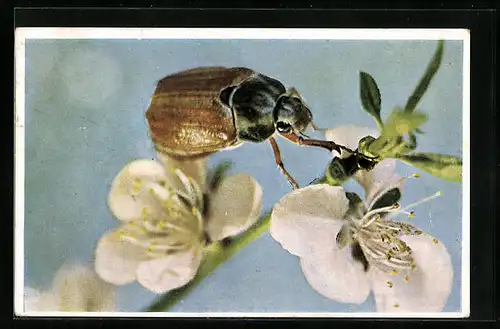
348	247
74	289
168	211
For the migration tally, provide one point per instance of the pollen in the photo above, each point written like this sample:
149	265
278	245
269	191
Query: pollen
194	211
389	284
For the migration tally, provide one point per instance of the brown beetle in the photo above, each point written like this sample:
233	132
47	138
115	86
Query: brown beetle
200	111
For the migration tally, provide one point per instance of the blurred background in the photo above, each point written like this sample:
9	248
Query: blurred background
85	105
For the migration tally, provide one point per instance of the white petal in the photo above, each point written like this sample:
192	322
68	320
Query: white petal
196	169
80	289
379	180
45	301
116	259
234	206
337	277
306	221
428	287
33	299
129	191
170	272
350	135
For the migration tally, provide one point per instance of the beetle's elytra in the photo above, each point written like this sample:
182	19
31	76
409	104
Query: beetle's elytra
200	111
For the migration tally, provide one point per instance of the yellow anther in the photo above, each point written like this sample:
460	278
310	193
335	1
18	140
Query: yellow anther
137	181
396	305
389	284
162	183
394	272
418	232
161	224
195	211
145	211
406	278
416	175
151	191
411	215
436	241
413	267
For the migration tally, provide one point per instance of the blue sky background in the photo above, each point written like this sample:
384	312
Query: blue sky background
85	104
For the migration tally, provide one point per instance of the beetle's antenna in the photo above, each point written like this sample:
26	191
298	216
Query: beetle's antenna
316	128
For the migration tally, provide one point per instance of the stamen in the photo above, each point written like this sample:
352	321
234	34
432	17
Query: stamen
390	208
435	195
389	284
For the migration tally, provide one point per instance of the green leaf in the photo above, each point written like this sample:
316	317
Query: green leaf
370	96
219	173
401	123
442	166
426	79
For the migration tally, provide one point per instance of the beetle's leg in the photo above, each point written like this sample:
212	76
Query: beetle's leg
329	145
279	163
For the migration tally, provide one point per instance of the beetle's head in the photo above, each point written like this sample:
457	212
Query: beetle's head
291	114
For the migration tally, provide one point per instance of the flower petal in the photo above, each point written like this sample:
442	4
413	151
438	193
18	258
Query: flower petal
117	258
350	135
170	272
196	169
35	301
379	180
129	191
234	206
336	276
306	221
427	288
80	289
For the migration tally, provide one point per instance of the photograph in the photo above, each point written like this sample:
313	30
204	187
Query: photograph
242	172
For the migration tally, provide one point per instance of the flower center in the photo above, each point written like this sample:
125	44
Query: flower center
379	238
170	220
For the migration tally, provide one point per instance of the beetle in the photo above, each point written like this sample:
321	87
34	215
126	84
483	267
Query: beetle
199	111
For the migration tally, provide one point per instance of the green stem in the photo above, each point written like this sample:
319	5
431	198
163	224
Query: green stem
216	254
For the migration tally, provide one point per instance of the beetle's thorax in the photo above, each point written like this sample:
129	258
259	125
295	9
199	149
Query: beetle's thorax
253	102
